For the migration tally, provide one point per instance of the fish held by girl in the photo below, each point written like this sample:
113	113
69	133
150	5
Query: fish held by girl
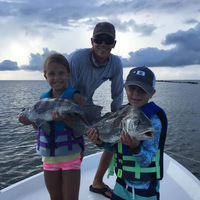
41	112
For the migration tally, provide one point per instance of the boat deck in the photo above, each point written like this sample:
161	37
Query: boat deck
178	183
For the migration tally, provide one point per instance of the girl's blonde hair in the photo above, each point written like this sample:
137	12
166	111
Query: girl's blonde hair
58	58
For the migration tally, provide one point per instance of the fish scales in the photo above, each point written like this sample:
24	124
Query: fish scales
41	112
128	118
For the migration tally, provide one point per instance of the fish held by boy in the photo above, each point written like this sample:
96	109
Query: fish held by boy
41	112
128	118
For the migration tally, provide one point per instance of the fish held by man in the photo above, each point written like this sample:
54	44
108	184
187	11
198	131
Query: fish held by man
128	118
41	112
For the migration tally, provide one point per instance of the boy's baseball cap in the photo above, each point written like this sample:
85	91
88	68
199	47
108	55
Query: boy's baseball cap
142	77
104	28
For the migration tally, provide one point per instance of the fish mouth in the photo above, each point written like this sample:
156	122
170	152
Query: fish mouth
147	134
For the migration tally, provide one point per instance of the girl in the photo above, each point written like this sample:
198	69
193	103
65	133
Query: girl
61	163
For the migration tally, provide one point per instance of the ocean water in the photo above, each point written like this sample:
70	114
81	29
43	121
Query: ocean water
18	159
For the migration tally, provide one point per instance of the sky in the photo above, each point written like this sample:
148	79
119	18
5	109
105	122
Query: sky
163	35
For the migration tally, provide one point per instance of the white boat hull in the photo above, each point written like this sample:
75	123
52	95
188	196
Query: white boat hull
178	183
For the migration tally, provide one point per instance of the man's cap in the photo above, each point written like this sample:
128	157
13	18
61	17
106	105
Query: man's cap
104	28
142	77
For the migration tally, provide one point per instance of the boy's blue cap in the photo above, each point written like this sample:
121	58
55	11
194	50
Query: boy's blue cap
142	77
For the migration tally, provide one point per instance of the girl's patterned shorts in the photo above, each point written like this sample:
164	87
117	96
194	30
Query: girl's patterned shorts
63	165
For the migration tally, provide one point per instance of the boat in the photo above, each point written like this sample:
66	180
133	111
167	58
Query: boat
178	183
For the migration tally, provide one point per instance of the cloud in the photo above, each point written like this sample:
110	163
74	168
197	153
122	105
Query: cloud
191	21
185	40
185	52
71	13
8	65
131	25
36	61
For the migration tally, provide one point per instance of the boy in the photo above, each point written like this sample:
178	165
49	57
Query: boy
139	164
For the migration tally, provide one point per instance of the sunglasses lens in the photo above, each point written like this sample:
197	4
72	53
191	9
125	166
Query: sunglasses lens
98	40
107	40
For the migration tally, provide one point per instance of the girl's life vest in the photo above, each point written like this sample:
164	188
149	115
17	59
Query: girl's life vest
126	166
60	141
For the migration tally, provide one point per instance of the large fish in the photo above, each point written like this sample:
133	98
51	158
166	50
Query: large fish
128	118
41	112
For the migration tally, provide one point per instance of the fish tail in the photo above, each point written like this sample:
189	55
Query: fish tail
79	127
91	113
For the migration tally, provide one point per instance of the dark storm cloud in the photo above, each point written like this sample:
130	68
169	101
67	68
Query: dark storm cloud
68	13
131	25
8	65
185	52
36	60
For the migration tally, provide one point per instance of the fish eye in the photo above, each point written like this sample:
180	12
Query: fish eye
137	122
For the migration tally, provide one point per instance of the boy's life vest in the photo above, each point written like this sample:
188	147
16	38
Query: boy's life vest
60	141
126	166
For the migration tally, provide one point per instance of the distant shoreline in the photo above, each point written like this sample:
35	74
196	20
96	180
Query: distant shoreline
177	81
164	81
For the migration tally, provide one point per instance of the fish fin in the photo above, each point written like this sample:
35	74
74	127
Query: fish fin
39	122
91	113
46	128
79	127
44	125
77	115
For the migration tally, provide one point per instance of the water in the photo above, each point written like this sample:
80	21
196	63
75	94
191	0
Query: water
18	159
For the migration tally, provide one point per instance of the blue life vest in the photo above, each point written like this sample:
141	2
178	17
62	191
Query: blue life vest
128	168
60	141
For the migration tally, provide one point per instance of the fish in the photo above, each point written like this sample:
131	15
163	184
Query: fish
128	118
41	112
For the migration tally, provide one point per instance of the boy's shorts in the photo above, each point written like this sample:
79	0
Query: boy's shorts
123	192
63	165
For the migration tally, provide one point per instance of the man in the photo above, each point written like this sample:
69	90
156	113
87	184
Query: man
89	69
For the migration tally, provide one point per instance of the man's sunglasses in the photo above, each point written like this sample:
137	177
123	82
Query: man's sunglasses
99	40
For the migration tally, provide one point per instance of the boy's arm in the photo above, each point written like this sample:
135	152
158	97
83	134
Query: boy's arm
149	147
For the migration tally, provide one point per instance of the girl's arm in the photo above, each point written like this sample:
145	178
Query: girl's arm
24	120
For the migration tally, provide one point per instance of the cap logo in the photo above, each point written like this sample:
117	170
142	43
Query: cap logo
139	73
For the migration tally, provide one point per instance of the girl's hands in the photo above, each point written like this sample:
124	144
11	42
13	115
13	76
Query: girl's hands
128	140
63	117
24	120
58	117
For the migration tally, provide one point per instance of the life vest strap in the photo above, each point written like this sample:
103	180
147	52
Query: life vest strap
137	169
58	133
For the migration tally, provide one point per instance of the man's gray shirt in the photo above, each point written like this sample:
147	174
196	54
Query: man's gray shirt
87	78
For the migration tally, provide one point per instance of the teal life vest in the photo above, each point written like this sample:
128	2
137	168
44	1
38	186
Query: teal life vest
128	168
60	141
